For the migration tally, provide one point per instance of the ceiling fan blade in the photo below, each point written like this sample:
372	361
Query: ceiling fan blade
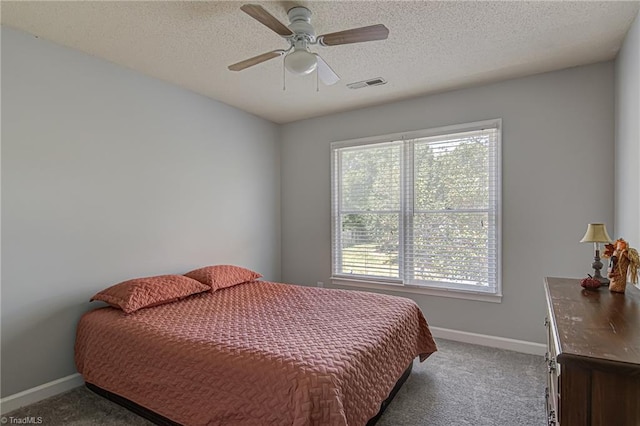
356	35
259	13
256	60
326	74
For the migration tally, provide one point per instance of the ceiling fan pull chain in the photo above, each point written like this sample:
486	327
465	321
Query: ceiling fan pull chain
284	78
317	78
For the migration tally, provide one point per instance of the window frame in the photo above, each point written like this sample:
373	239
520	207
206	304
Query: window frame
397	284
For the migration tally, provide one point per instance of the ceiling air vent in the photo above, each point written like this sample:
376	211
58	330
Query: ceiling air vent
378	81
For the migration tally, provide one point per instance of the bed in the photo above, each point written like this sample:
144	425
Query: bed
256	353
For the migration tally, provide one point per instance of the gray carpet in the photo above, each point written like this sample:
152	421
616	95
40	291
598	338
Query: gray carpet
461	384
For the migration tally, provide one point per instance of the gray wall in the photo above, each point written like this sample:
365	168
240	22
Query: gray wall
558	131
627	172
109	175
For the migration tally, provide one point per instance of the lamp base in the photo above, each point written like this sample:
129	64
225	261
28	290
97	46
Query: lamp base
597	266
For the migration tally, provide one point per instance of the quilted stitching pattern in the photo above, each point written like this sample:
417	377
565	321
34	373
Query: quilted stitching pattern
259	353
222	276
145	292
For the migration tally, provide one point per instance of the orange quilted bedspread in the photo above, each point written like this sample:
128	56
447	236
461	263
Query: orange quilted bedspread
255	354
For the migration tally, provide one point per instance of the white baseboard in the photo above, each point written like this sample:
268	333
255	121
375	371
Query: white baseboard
491	341
30	396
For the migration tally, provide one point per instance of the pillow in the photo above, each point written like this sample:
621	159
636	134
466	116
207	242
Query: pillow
221	276
145	292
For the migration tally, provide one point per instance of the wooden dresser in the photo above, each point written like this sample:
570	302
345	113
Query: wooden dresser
593	356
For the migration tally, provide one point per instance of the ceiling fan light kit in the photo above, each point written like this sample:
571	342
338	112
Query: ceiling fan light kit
300	62
300	34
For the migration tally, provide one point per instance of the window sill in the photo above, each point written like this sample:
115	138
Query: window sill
430	291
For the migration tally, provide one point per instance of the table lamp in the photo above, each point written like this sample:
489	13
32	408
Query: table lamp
596	234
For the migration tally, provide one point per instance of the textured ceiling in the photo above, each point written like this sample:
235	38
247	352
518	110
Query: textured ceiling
432	46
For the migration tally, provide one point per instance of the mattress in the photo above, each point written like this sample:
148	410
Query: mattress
257	353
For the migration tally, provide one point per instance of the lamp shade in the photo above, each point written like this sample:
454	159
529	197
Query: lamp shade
596	233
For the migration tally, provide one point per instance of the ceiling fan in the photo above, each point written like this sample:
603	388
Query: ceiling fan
300	35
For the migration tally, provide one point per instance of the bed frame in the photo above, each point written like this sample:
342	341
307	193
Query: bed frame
163	421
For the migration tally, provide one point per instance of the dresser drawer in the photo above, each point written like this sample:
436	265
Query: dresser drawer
552	392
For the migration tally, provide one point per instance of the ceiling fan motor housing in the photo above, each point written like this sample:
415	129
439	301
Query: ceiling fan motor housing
300	18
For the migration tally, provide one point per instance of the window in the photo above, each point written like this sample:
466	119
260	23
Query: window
419	210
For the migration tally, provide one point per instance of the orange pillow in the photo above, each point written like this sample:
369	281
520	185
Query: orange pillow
221	276
145	292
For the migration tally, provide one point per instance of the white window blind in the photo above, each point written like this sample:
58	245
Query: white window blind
420	209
